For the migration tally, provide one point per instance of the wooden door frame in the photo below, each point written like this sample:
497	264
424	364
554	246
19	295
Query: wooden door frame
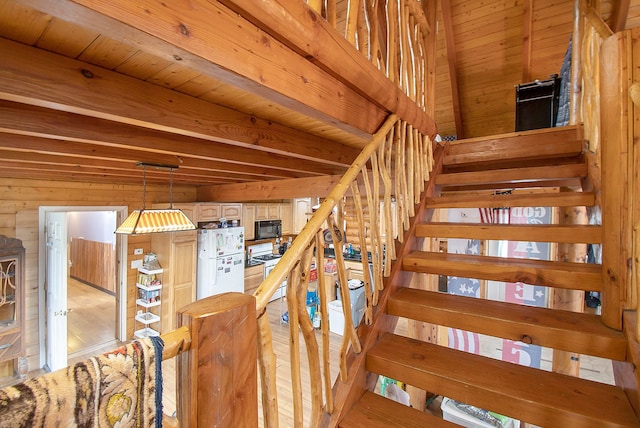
121	271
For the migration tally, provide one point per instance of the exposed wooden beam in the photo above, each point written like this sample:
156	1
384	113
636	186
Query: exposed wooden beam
618	20
452	62
267	190
83	172
37	150
315	39
129	157
36	77
218	42
29	120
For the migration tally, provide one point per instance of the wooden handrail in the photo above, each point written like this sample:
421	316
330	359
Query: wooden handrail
308	232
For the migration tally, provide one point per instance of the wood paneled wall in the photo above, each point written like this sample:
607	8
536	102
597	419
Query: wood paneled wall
493	58
20	200
94	263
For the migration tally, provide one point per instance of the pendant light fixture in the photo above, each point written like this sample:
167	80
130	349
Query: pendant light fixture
155	220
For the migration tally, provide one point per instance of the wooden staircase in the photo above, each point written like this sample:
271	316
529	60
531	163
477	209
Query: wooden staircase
533	165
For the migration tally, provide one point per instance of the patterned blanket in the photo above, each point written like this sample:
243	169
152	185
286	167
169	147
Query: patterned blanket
121	388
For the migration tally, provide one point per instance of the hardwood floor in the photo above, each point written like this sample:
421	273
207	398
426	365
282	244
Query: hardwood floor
91	320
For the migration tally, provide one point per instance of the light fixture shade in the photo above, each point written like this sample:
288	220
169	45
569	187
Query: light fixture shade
155	221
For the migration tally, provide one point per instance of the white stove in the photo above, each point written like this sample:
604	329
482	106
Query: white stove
264	253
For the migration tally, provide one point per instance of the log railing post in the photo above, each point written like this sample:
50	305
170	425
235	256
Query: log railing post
218	375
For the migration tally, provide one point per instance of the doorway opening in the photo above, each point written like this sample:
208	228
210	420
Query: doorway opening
82	304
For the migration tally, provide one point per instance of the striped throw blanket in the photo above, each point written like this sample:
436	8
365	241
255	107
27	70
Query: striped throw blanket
121	388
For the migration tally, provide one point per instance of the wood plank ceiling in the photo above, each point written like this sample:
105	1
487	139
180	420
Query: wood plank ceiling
83	96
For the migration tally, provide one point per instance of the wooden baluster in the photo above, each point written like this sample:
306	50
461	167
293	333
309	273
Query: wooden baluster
421	69
402	154
388	220
306	327
267	367
429	153
294	343
324	324
428	148
376	254
372	223
410	168
374	34
411	60
363	244
315	5
218	374
398	173
405	49
331	13
349	334
417	165
422	163
392	41
363	32
353	11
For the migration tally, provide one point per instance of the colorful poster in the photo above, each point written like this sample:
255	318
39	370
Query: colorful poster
526	294
460	339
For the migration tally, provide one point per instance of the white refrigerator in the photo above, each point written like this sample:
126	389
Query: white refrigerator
220	261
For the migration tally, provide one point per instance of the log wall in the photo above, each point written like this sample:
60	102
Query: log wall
20	201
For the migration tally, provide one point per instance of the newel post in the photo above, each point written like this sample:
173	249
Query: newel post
217	378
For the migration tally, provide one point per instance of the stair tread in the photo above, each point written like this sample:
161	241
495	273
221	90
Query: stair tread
577	276
564	233
497	150
564	199
531	395
512	175
569	331
376	411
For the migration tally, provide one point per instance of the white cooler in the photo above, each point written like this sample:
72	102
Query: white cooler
452	414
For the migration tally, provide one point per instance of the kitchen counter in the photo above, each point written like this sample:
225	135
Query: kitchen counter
329	253
248	264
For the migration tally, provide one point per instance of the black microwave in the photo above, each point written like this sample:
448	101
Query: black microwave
266	229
